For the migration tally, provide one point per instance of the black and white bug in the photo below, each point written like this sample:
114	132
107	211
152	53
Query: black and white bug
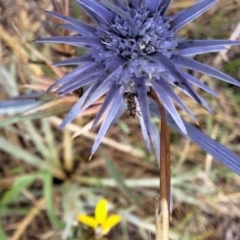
129	98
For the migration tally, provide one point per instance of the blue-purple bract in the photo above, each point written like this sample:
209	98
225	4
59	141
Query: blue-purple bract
133	45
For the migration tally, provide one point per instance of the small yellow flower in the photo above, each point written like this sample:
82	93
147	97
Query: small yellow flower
101	223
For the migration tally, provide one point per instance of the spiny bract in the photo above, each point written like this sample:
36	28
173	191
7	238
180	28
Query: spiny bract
133	46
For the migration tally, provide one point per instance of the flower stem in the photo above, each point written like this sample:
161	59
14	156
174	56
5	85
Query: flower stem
162	204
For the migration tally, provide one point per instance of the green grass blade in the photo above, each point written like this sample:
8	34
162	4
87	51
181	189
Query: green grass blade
48	194
29	158
50	140
19	184
2	233
115	174
37	139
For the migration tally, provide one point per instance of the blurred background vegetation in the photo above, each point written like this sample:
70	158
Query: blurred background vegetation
46	179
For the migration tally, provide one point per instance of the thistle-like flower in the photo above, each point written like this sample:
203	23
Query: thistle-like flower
133	47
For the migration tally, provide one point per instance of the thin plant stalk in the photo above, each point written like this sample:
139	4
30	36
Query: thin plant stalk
162	204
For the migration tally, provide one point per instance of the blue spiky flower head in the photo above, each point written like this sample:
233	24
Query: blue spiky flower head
133	46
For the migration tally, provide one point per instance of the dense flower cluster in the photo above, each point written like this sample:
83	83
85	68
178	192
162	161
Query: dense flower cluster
134	46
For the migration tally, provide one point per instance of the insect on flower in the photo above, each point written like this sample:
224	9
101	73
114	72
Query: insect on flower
129	98
134	44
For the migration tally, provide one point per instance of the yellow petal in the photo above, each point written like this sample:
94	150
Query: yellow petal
87	220
101	211
110	222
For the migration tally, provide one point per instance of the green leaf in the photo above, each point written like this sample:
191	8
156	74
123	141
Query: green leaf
27	157
115	174
37	139
2	233
19	184
48	194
